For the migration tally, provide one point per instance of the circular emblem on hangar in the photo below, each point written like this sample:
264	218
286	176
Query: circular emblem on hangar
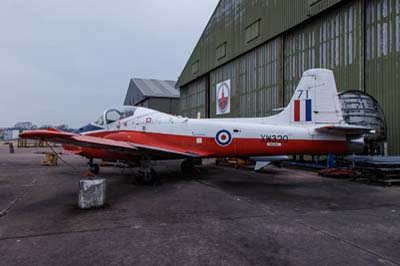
223	94
223	97
223	138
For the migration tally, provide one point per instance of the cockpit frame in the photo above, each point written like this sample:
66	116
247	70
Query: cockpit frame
113	115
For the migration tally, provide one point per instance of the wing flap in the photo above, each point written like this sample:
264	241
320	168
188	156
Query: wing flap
170	150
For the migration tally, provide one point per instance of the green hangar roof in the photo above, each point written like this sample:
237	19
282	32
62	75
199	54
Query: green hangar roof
238	26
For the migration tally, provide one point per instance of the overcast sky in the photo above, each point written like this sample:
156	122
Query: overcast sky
66	61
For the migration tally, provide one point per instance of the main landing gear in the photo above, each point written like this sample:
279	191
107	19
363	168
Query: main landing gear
147	174
149	177
187	167
94	168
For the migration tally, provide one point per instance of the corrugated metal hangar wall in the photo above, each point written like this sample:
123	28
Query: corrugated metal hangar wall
264	46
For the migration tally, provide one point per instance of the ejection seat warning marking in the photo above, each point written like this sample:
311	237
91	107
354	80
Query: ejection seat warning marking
274	144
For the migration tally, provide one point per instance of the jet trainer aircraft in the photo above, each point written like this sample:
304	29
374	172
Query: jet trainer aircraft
311	124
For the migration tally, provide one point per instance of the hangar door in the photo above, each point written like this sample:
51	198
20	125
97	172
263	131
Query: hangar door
331	42
255	82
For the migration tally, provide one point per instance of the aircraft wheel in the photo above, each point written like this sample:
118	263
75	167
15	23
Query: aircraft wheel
95	169
187	167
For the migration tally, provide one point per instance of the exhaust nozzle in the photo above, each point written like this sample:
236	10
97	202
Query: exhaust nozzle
355	145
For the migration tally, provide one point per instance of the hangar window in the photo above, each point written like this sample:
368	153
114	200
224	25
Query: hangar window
195	67
317	6
313	2
221	51
252	31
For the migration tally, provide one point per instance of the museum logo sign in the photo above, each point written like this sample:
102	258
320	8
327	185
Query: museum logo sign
223	95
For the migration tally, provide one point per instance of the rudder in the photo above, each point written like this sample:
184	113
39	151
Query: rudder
315	100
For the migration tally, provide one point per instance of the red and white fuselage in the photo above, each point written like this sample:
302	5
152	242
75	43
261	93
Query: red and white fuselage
311	124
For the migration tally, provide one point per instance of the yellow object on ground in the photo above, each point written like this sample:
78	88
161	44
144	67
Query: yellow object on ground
237	162
51	159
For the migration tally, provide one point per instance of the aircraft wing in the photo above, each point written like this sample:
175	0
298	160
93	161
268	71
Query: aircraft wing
109	145
344	130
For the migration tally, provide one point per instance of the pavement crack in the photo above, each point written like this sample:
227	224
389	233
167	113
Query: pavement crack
265	209
20	196
114	228
328	234
66	232
348	242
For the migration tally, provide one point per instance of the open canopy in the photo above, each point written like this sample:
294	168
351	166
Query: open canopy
113	115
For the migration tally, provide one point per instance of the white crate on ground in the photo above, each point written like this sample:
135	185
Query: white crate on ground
92	193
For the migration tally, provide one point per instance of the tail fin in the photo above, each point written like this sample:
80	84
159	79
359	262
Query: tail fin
315	100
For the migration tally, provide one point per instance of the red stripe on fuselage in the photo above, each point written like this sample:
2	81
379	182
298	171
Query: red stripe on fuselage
239	147
297	110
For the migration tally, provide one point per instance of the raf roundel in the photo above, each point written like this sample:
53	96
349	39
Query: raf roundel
223	138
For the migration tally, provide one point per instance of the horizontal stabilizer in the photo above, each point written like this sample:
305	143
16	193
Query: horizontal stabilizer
344	130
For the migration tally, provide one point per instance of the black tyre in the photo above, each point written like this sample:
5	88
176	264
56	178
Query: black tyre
95	169
187	167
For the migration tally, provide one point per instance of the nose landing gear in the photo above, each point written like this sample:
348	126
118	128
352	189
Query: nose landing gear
149	177
94	168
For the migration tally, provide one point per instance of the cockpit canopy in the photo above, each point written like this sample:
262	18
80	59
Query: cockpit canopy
113	115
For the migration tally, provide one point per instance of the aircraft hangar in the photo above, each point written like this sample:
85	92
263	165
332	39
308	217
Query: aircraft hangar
160	95
257	50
